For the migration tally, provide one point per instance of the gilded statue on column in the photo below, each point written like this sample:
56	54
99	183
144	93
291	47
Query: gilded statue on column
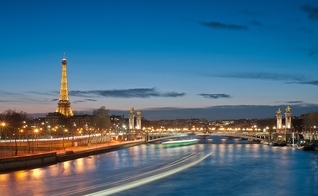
278	111
132	111
288	109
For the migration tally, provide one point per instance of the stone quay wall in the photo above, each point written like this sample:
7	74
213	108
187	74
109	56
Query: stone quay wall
39	160
29	161
70	154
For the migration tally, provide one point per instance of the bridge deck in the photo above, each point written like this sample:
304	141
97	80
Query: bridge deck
158	137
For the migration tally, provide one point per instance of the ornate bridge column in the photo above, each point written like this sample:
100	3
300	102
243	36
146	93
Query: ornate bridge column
138	120
279	119
132	119
288	124
131	128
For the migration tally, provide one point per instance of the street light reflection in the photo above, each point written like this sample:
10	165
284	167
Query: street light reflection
66	168
4	177
37	173
80	165
21	175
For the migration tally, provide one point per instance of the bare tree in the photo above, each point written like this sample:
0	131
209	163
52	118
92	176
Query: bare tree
311	120
100	120
14	121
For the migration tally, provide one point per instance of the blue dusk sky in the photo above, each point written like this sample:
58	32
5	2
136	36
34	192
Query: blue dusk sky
222	59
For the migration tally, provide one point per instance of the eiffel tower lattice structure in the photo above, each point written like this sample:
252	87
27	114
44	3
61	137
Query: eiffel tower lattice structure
64	105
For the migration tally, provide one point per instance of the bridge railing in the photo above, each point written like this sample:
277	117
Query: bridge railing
243	135
151	137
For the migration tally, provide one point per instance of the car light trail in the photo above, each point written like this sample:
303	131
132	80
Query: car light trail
147	179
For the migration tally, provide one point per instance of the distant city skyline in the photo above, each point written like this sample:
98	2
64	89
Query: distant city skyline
179	59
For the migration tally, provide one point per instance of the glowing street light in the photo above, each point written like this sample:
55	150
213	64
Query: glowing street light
21	131
36	131
3	124
65	130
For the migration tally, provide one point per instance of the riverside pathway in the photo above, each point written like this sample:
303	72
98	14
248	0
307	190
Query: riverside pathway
35	160
92	147
83	151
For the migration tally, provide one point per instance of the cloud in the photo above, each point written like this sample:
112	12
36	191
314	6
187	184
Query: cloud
312	82
313	12
221	112
126	93
311	53
256	23
294	102
218	25
214	96
3	101
44	93
290	102
288	79
55	100
5	93
265	76
84	100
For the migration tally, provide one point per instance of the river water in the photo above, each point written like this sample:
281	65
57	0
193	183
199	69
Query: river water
216	166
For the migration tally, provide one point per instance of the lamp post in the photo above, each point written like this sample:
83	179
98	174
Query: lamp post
49	131
293	138
267	131
314	133
3	124
36	131
73	132
20	132
124	132
65	130
285	128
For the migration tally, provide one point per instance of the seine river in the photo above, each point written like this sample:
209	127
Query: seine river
215	166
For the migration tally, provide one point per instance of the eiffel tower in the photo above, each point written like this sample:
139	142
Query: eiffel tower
64	105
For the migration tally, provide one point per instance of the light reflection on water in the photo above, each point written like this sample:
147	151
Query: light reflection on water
314	162
235	167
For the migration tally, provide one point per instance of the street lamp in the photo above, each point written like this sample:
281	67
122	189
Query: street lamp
73	132
124	132
21	131
49	131
65	130
36	131
3	124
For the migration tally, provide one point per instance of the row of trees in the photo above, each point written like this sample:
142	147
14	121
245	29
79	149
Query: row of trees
311	122
15	125
11	125
100	119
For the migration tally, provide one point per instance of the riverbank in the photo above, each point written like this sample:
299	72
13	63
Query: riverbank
79	152
30	161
